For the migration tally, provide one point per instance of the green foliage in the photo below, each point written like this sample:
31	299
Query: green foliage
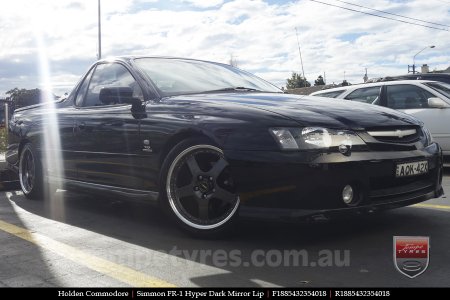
319	81
24	97
3	139
296	81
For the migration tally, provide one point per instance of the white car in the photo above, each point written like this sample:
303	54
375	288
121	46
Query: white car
427	100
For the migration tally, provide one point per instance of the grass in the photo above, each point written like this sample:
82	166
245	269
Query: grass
3	139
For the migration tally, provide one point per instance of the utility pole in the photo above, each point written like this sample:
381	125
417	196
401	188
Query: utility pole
99	56
300	53
365	78
414	59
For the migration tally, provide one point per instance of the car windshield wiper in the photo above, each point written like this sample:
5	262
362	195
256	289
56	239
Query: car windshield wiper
236	88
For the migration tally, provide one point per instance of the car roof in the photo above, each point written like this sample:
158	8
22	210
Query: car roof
420	75
127	58
375	84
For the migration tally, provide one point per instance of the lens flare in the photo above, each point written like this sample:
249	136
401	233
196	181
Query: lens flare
51	157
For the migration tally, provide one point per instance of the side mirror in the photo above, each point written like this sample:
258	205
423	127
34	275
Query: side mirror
436	102
118	95
115	95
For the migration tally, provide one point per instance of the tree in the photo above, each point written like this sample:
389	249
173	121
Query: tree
345	83
319	81
24	97
296	81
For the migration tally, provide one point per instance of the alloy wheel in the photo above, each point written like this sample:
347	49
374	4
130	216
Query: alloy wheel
27	171
200	189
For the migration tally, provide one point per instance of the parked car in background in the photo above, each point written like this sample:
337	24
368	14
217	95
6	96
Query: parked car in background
210	142
429	101
441	77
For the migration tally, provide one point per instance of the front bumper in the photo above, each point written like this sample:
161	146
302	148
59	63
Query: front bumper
292	185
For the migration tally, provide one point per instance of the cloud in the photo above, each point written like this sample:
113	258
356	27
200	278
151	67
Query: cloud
259	34
203	3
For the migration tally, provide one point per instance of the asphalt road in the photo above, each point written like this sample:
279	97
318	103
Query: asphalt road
76	240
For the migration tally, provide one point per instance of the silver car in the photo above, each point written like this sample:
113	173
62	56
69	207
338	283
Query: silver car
427	100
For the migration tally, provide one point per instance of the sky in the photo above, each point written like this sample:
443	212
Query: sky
52	43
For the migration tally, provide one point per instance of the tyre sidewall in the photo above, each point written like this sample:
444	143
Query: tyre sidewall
37	189
164	200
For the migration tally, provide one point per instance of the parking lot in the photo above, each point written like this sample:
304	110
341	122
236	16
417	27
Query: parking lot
77	240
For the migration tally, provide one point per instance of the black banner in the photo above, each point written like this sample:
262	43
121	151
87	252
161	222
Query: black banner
204	293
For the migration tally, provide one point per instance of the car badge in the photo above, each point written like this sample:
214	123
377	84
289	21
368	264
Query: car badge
147	147
411	254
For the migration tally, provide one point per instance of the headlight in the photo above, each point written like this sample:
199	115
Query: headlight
284	138
310	138
427	136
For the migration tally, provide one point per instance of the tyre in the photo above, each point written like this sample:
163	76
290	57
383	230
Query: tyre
30	173
199	192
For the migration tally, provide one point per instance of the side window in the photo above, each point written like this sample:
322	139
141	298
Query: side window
440	87
117	79
407	96
83	88
365	95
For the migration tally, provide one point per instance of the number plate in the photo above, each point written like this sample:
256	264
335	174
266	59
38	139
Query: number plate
412	168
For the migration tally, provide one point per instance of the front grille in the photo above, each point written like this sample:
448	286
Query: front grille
401	138
377	184
386	187
396	135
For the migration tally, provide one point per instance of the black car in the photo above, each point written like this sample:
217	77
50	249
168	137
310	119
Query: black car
210	142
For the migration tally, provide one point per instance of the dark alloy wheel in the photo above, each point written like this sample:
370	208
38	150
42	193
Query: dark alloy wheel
30	173
199	188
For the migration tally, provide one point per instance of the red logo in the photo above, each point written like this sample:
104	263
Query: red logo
411	254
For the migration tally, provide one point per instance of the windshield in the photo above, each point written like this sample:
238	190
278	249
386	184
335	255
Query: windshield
440	87
333	94
182	76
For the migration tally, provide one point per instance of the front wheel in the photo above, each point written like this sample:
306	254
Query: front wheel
199	190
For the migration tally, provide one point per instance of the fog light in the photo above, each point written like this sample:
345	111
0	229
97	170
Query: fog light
347	194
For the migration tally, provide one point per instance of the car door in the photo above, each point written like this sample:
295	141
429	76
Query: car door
413	100
108	132
58	142
68	140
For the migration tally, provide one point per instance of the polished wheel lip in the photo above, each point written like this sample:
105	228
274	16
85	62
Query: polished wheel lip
24	177
172	201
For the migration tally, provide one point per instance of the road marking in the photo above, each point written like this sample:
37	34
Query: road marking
116	271
435	206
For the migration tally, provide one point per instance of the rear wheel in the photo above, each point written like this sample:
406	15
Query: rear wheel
199	190
30	173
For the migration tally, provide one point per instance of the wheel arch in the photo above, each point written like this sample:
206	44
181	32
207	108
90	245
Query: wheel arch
21	145
184	135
